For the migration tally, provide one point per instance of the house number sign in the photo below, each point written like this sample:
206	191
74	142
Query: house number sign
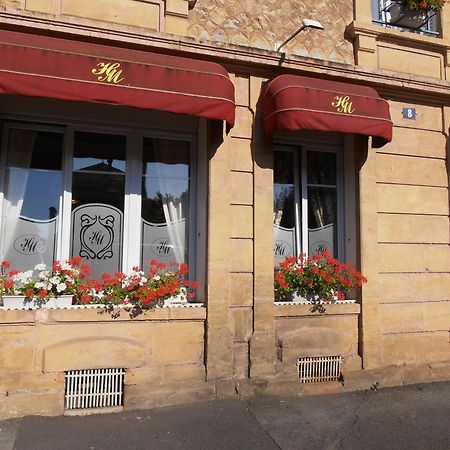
409	113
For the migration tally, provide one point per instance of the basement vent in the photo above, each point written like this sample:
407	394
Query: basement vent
94	388
318	369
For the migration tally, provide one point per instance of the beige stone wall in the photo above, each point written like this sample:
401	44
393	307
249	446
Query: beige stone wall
162	350
397	50
413	239
267	24
169	16
303	330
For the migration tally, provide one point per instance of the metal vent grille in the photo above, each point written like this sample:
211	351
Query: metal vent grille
94	388
317	369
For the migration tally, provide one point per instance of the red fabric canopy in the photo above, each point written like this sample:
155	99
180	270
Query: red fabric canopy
292	103
71	70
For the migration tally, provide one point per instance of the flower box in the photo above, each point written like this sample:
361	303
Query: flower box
316	279
399	15
21	302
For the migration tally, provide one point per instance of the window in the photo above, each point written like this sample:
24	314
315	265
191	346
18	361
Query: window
390	14
116	198
308	201
32	195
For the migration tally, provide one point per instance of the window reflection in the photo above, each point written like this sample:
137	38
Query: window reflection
32	196
165	200
284	206
98	192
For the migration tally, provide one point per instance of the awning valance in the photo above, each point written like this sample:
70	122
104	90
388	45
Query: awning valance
45	66
292	103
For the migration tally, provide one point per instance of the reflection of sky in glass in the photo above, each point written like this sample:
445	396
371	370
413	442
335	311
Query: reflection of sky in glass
280	188
167	186
42	192
157	169
86	163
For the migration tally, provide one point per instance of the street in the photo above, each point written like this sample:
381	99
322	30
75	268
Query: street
412	417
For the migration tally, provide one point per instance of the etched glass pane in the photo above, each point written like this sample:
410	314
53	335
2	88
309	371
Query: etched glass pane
284	206
32	197
165	200
322	203
98	189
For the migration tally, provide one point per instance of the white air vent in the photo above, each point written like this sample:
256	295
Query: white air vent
94	388
317	369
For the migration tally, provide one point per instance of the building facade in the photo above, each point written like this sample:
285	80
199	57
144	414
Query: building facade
204	142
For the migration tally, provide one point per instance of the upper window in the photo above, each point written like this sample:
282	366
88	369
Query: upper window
391	13
116	199
308	201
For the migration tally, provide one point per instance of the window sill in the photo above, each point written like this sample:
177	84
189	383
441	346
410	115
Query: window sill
97	313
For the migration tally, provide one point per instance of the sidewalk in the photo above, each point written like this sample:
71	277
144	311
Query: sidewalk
413	417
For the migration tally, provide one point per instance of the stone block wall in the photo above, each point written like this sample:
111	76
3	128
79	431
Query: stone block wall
303	330
169	16
162	350
413	239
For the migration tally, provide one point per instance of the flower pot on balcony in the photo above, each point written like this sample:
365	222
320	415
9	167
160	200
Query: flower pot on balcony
21	302
406	17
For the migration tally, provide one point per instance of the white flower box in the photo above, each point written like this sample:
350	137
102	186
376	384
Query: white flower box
20	302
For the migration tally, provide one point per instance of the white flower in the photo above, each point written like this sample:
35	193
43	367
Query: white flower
41	285
44	274
55	280
156	278
61	287
23	277
40	267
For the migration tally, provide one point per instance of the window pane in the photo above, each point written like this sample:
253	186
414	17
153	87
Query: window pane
321	168
165	200
32	197
98	189
322	220
322	202
284	206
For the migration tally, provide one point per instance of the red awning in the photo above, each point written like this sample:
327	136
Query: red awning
44	66
292	103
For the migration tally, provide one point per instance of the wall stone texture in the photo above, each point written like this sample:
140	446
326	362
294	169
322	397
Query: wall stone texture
18	4
267	24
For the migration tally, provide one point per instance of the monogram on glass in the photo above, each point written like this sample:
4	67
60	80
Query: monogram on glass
305	202
165	200
32	196
284	222
98	190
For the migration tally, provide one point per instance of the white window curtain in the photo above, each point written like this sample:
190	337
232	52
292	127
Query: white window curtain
20	150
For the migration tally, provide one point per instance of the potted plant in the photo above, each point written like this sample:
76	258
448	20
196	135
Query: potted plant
317	279
42	287
413	13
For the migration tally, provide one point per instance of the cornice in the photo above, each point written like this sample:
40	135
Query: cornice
246	60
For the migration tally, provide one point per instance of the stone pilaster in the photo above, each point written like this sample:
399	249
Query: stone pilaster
370	338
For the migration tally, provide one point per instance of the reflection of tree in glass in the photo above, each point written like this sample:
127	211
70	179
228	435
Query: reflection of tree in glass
152	208
283	206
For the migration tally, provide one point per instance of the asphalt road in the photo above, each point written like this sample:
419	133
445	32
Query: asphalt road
413	417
